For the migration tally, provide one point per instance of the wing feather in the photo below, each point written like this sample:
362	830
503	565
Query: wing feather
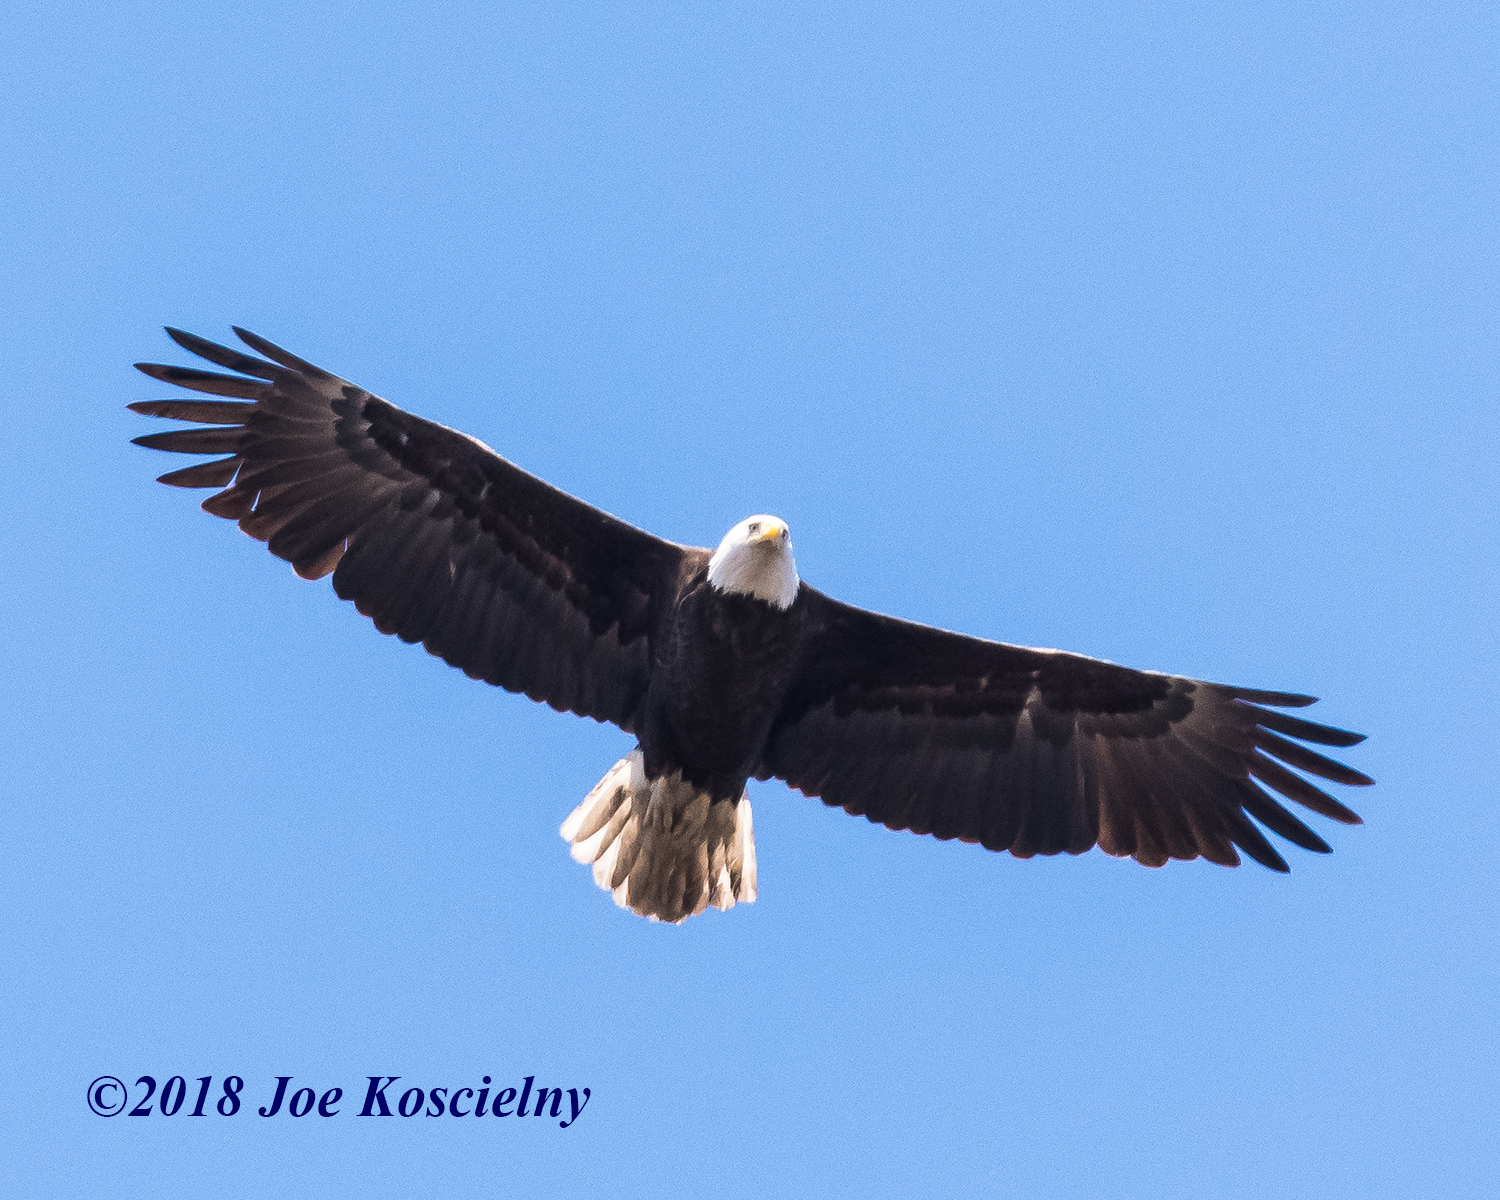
432	535
1041	752
210	474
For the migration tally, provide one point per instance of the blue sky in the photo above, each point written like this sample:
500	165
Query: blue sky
1165	333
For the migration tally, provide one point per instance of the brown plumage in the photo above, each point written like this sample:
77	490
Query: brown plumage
440	541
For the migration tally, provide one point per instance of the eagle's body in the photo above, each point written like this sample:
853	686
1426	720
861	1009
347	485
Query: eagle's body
725	665
722	665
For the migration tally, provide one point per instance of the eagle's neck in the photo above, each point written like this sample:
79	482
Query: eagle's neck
764	571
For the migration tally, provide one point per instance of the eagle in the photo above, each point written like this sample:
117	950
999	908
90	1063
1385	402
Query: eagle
722	663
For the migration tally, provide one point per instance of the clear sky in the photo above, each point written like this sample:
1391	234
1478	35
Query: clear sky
1165	333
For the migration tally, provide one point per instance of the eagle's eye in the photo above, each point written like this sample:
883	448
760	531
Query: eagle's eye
753	527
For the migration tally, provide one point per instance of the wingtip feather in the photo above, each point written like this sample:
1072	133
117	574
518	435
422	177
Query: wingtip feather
275	353
224	356
1274	699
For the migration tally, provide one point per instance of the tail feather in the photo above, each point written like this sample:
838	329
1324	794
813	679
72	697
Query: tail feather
664	849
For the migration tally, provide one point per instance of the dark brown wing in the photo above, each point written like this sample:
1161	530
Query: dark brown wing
429	532
1037	751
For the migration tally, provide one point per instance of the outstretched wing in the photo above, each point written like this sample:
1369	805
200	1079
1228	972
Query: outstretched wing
1038	751
434	536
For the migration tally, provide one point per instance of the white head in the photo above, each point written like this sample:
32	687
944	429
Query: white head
755	559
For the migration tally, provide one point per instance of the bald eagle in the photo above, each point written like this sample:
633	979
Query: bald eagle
723	663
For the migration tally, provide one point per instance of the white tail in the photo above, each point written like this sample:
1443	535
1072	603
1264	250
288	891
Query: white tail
662	846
